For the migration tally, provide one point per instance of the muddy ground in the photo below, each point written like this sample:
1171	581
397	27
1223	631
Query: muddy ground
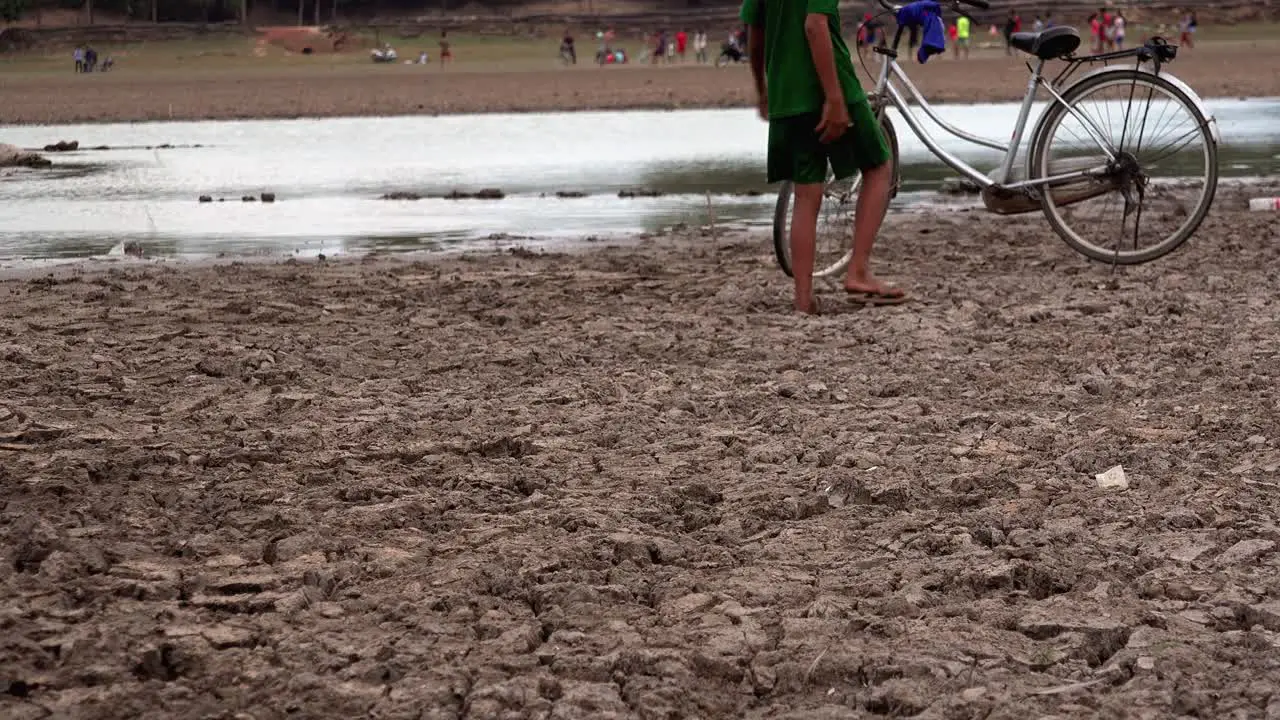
1221	69
627	484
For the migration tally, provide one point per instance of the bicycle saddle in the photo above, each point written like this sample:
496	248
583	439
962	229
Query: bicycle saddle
1056	42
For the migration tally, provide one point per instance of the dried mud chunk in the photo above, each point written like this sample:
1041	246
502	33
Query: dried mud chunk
214	367
170	660
770	453
247	604
244	584
226	636
643	550
1245	551
504	447
1265	614
1098	638
33	540
691	603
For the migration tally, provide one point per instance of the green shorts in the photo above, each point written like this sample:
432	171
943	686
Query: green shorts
796	153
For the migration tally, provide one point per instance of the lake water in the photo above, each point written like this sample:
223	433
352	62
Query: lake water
328	176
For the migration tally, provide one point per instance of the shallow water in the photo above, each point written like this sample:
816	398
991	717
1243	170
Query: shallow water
328	175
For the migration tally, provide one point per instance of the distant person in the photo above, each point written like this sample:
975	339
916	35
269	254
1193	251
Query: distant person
962	34
1095	33
700	46
1038	25
1118	30
446	54
682	43
1189	24
1010	27
659	47
79	58
567	49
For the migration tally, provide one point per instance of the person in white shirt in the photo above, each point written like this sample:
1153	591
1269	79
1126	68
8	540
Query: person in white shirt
1118	25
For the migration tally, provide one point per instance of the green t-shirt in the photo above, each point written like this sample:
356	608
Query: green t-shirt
790	78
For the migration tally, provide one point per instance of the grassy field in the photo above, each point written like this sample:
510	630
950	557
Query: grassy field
472	52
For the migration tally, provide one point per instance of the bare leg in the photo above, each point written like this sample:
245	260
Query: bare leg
804	238
873	203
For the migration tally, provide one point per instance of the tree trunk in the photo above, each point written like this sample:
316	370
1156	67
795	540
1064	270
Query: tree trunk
244	12
334	17
302	6
318	4
155	11
89	9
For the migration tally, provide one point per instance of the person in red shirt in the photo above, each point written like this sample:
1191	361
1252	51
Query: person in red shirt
682	42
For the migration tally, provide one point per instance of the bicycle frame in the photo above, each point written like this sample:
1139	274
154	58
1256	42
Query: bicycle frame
891	71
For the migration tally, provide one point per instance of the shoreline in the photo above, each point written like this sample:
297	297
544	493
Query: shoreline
621	107
1233	195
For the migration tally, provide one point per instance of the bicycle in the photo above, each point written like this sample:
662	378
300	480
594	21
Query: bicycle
1067	184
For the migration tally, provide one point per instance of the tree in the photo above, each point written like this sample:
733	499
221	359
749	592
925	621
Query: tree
12	10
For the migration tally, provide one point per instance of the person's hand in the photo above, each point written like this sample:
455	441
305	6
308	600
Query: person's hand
834	122
762	107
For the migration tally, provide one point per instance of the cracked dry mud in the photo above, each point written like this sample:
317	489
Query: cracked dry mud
626	484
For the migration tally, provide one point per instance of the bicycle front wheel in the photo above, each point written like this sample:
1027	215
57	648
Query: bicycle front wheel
1149	198
835	223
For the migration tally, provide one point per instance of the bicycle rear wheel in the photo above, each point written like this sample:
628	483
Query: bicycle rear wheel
1158	189
835	223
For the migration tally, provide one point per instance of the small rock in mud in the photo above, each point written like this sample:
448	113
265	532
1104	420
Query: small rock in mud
483	194
12	156
206	199
400	195
63	146
249	198
639	193
566	194
268	197
959	186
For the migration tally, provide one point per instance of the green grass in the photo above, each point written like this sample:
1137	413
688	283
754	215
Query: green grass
471	52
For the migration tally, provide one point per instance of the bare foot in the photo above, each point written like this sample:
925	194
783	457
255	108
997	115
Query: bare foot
809	308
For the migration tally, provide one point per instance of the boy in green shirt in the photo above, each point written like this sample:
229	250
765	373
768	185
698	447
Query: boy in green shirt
818	116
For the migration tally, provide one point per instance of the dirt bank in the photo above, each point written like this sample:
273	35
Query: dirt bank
626	484
1219	70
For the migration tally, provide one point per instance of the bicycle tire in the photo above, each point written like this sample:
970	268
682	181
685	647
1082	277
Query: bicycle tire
782	207
1037	166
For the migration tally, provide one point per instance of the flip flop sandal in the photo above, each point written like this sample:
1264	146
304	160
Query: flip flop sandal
876	298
